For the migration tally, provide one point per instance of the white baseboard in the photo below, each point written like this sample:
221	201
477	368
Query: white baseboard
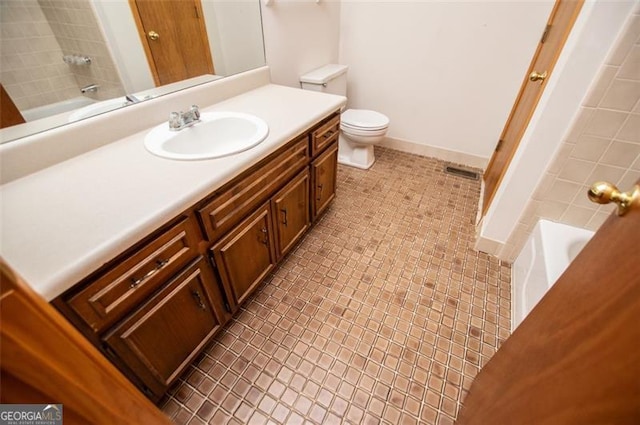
436	152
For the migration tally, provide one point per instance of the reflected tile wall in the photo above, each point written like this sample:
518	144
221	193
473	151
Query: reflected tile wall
31	67
76	28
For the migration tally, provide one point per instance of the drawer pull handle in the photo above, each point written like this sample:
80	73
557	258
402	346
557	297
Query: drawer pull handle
137	281
266	236
319	197
198	298
284	216
329	135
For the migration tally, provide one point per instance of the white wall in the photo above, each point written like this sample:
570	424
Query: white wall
593	35
119	28
235	35
299	35
446	73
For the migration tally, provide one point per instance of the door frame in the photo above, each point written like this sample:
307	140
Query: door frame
488	200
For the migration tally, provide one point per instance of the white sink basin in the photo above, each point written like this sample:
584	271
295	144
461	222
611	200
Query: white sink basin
217	134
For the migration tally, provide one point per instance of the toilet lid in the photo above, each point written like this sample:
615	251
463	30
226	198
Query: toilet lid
364	119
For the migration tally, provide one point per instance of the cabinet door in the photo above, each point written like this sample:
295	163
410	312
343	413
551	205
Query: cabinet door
246	255
162	338
323	180
290	209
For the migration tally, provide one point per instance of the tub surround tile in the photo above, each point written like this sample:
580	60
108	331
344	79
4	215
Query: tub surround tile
625	43
631	67
630	131
383	313
622	95
605	123
598	90
589	148
621	154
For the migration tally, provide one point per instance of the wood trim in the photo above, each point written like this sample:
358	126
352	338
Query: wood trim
487	202
203	30
145	42
10	114
55	364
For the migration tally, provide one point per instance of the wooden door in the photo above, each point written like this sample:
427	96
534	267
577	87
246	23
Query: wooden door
558	27
161	339
575	359
43	360
246	255
291	212
323	180
174	37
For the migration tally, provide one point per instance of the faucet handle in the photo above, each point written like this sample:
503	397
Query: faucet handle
195	111
175	120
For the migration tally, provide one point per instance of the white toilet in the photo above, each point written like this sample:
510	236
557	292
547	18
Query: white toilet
361	129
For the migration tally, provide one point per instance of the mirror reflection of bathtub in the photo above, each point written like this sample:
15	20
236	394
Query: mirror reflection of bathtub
545	256
53	115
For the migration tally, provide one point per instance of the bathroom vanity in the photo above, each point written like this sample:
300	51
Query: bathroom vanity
150	257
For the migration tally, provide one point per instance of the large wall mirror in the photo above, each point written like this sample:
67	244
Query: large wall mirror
65	60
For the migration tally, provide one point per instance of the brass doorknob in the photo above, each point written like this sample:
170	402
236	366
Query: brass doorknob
605	192
153	35
535	76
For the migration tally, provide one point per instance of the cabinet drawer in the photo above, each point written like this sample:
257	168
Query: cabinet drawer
237	201
160	339
325	135
132	280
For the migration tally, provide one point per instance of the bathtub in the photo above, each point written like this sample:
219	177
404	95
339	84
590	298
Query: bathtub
56	108
544	257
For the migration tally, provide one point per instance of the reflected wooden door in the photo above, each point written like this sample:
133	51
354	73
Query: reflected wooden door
174	37
576	358
9	113
558	27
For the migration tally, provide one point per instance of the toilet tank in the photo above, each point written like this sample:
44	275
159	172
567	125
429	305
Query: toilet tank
330	78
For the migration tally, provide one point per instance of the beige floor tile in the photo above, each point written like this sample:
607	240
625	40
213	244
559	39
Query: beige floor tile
382	314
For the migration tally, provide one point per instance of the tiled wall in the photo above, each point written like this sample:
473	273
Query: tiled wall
603	144
31	67
76	28
35	34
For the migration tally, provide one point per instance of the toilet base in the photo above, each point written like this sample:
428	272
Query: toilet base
359	156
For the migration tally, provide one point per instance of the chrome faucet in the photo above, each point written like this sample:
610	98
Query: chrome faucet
180	120
91	88
131	99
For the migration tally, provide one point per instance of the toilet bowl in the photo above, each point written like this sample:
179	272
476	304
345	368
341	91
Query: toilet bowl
360	130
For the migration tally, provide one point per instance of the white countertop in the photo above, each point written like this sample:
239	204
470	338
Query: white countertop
60	224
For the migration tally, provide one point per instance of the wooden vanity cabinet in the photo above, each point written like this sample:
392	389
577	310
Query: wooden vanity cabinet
153	308
163	336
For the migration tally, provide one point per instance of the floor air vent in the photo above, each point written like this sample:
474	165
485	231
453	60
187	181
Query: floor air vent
461	172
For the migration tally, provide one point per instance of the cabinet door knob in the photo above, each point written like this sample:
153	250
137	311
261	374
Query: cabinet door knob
284	216
265	232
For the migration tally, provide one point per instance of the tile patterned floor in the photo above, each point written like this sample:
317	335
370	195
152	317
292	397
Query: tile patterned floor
384	313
